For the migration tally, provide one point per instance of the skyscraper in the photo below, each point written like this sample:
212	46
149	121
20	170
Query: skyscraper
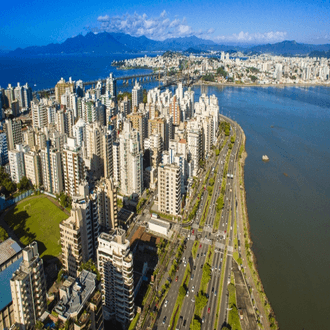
137	95
169	189
131	161
115	264
28	289
73	167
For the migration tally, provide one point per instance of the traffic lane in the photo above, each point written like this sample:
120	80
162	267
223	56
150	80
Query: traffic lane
174	289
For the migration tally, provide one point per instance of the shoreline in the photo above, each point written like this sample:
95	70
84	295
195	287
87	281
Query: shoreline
268	314
203	83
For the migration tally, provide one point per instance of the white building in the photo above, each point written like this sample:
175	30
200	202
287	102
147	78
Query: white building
28	289
169	189
137	95
115	264
16	162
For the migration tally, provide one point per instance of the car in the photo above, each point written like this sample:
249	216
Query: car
207	295
200	245
181	318
166	302
197	255
176	279
212	289
187	293
204	254
193	231
201	265
203	319
164	319
194	267
192	276
209	310
184	323
192	289
215	293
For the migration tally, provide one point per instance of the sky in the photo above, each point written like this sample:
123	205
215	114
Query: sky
40	22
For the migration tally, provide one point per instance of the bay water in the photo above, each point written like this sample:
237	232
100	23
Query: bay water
287	197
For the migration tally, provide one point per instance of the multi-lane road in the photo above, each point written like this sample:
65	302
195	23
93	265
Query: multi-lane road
222	241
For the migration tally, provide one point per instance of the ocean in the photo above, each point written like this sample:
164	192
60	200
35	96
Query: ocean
287	197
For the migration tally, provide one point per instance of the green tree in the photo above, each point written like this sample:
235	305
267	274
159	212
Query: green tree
90	266
211	182
253	78
196	324
24	184
201	301
220	203
221	72
182	291
217	151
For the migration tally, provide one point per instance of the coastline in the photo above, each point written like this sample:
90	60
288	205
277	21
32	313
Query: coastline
207	83
249	260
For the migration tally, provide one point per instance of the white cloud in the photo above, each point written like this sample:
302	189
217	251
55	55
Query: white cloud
105	18
163	27
158	28
246	37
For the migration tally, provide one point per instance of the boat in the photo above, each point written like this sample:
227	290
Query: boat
265	158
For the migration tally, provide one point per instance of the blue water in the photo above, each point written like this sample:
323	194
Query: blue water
288	214
45	72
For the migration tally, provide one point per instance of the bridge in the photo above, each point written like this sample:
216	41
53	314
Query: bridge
125	79
167	81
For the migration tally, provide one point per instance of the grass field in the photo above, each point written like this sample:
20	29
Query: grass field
38	219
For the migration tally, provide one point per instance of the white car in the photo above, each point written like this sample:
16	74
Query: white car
166	302
192	289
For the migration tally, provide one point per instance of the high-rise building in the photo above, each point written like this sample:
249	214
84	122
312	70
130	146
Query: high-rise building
9	92
73	167
195	148
115	264
39	114
139	122
16	162
137	95
79	232
51	169
13	130
110	85
3	149
79	131
169	189
175	111
125	106
33	167
81	302
28	289
106	194
62	86
131	161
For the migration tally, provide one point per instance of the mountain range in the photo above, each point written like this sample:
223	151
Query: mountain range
106	43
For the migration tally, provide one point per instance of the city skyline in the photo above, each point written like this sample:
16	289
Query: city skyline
225	23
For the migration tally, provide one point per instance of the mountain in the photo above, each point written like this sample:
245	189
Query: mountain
102	43
90	43
288	47
106	43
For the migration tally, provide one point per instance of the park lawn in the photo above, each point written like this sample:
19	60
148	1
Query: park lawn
38	219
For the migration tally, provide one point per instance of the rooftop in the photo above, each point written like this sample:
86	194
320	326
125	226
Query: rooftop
76	294
5	277
8	249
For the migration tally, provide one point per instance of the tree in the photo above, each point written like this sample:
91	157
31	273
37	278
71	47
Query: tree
221	72
90	266
220	203
196	325
253	78
217	151
9	185
182	291
211	182
24	184
208	77
201	301
65	200
232	139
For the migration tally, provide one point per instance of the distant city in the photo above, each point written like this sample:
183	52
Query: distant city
148	184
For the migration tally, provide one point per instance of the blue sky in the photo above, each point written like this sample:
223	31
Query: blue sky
39	22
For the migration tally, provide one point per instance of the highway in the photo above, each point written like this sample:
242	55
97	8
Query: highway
221	240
